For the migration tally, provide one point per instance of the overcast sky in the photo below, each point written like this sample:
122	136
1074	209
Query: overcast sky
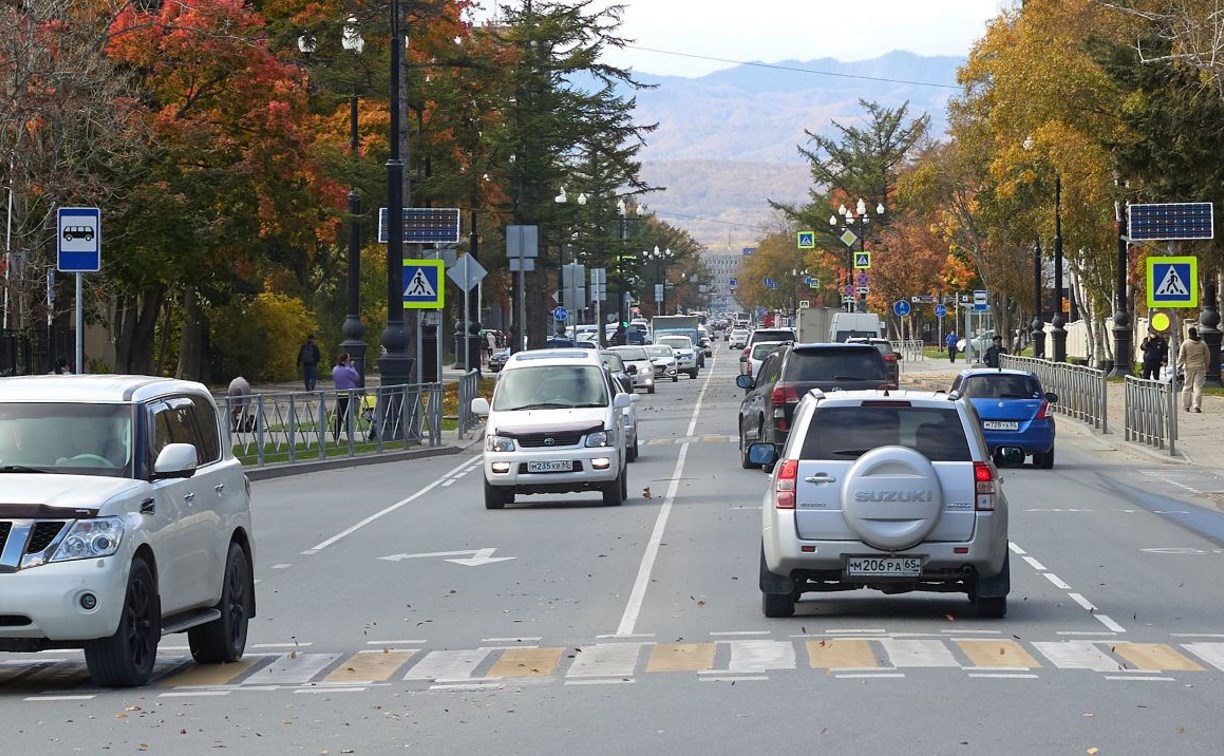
774	30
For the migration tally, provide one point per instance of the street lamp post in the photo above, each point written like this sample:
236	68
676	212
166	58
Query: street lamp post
848	221
1124	338
1038	322
353	329
662	260
561	199
1058	334
395	365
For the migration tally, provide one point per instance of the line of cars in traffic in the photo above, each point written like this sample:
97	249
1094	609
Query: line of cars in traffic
874	486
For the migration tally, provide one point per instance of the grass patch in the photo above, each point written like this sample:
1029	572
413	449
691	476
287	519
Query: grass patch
307	454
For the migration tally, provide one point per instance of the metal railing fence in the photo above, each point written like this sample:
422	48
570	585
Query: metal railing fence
1151	412
295	426
469	389
1081	390
909	349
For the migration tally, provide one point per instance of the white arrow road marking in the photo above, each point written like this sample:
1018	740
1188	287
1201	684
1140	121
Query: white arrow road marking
475	557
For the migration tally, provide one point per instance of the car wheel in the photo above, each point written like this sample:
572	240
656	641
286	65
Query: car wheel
675	378
1047	459
778	604
624	492
126	658
636	453
693	374
631	452
650	389
224	639
990	608
743	445
495	498
612	491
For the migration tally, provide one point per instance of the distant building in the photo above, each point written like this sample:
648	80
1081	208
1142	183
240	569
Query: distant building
723	267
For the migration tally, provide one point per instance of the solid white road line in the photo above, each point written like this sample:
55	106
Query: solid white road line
634	606
349	531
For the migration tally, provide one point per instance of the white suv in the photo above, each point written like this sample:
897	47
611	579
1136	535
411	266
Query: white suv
124	516
555	426
891	490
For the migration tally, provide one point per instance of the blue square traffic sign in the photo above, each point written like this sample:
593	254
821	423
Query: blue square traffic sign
1172	281
79	239
805	240
423	284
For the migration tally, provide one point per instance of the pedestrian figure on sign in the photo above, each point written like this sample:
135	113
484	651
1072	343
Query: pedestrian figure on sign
308	358
950	342
1193	356
1155	354
345	376
994	351
239	396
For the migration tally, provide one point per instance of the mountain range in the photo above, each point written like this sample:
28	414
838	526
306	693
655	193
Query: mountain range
727	142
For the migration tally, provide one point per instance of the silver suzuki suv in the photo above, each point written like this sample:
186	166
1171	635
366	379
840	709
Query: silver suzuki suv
890	490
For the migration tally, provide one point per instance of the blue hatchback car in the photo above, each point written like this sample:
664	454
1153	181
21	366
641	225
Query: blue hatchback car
1016	416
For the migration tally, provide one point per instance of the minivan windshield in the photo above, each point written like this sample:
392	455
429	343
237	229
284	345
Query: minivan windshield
551	387
631	353
677	342
660	352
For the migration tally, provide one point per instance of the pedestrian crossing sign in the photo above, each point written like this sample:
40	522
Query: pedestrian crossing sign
862	260
1172	282
806	240
423	284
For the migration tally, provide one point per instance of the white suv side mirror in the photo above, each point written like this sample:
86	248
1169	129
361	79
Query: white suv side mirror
622	401
175	461
480	406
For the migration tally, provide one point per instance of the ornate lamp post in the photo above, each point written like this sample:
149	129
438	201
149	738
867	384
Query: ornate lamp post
848	221
353	329
395	365
662	260
1124	337
1058	334
1038	324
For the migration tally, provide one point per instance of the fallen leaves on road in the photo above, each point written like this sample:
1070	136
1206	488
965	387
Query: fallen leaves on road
949	617
646	493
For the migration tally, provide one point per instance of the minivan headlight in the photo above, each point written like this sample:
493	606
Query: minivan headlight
88	539
499	444
599	438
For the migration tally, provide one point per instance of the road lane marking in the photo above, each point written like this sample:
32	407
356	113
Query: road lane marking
735	678
386	511
448	665
1016	549
918	653
395	642
523	639
205	675
760	655
867	675
61	698
1035	564
681	657
1144	679
291	669
738	632
607	681
1108	622
1087	605
1212	653
633	607
1058	583
1077	655
1005	675
1003	654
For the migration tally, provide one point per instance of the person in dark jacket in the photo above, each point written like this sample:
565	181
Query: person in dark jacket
1155	354
996	349
308	358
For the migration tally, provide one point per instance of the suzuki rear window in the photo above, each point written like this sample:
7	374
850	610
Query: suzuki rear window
835	364
848	432
1001	386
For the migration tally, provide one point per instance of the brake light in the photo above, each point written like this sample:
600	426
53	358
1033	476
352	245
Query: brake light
1043	412
984	484
784	489
890	358
783	393
886	387
747	351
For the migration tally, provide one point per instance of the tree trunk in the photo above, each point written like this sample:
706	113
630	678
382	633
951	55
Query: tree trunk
135	330
193	343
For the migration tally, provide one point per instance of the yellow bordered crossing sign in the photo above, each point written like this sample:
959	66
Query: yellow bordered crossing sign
423	282
805	240
1172	282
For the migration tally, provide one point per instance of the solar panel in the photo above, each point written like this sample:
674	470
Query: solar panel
424	225
1170	221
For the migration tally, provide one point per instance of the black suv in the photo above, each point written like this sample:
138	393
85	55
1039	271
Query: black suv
792	371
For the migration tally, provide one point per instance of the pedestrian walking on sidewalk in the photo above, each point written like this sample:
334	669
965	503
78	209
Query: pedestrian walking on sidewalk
308	358
994	351
345	376
950	341
239	396
1193	356
1155	354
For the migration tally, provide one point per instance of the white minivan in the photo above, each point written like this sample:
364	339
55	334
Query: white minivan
554	426
847	325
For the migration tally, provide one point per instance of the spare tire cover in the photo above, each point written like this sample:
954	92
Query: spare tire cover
892	498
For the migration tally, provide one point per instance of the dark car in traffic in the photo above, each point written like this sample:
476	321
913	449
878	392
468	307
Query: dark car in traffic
792	371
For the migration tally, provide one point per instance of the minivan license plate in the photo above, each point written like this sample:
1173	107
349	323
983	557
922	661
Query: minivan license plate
551	466
883	566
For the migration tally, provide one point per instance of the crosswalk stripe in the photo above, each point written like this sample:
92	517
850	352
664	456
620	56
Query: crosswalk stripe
997	653
760	655
10	670
66	675
291	669
213	674
841	653
1212	653
370	666
606	660
448	665
1077	655
527	662
918	653
1156	657
681	657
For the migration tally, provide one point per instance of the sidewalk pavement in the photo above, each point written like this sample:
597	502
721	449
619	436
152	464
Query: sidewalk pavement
1199	436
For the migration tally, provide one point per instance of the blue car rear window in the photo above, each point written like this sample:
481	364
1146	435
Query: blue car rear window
1001	386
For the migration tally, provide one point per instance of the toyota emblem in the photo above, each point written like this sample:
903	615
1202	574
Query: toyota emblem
550	441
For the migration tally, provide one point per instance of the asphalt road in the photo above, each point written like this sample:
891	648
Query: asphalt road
396	614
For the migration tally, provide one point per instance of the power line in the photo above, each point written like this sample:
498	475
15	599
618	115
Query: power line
793	68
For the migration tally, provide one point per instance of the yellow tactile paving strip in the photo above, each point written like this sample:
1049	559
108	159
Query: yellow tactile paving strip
1004	654
841	653
681	657
527	662
1154	657
370	666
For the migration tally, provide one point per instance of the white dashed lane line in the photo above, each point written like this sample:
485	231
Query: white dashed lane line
1087	605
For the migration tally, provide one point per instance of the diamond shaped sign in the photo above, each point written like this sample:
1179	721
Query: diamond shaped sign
849	238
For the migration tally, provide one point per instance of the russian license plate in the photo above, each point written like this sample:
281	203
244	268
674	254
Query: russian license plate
908	567
1000	425
551	466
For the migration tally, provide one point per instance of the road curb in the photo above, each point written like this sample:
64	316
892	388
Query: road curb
271	472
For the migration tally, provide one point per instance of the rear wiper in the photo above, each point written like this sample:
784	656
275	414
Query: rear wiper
21	469
851	452
1014	396
849	378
